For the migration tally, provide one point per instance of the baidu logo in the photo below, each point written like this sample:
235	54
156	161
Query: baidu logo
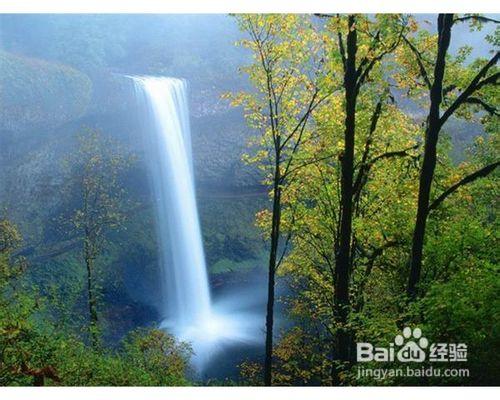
412	346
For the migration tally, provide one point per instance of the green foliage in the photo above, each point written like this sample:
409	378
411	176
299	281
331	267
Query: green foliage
230	237
146	358
464	309
95	171
460	255
160	355
149	358
35	351
100	205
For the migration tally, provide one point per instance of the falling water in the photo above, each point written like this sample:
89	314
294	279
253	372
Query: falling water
188	312
183	260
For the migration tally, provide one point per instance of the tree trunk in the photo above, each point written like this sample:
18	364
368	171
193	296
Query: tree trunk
433	128
275	232
92	301
343	256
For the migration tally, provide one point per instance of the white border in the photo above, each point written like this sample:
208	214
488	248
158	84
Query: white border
246	393
254	6
251	6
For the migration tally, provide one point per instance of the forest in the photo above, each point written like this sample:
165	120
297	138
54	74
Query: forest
249	200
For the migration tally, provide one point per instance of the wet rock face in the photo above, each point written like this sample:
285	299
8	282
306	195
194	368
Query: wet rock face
219	142
36	93
43	106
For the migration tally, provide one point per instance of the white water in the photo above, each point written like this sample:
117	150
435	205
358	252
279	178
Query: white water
187	312
183	260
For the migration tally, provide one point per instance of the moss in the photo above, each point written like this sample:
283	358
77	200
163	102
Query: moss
225	265
35	93
230	237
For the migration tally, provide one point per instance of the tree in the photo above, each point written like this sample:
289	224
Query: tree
100	207
359	56
34	351
377	40
352	188
286	68
448	91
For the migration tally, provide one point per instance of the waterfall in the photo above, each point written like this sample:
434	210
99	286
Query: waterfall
187	309
187	301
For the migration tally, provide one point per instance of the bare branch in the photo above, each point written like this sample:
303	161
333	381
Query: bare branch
361	180
492	79
364	61
475	17
306	163
287	240
363	74
320	15
390	154
489	108
483	172
420	62
474	85
377	252
363	165
341	48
